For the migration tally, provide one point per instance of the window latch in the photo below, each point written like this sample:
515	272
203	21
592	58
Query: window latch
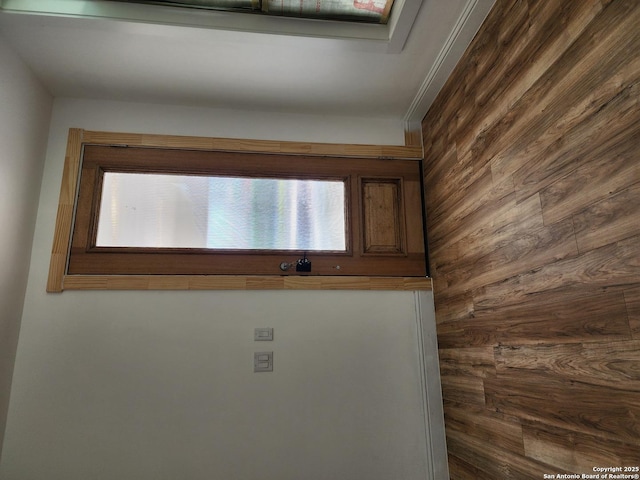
302	265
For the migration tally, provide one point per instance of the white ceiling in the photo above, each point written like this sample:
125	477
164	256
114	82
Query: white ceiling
81	56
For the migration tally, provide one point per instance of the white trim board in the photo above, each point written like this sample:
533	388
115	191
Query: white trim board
461	36
436	454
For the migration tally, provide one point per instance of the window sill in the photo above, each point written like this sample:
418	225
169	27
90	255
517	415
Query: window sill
233	282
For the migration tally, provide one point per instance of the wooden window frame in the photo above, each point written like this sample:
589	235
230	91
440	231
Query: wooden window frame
61	279
92	214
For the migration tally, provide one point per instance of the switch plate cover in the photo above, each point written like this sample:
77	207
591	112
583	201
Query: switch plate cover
263	362
263	334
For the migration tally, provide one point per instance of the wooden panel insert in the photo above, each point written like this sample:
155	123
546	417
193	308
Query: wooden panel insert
382	216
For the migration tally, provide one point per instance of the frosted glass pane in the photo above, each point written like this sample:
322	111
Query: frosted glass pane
188	211
368	11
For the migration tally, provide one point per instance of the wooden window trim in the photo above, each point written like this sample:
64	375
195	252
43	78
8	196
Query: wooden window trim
59	280
99	159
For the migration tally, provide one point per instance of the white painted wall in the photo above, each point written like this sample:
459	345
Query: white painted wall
159	385
25	110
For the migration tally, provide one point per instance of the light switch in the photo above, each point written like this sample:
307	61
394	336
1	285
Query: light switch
263	334
263	362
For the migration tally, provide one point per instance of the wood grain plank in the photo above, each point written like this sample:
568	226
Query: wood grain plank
456	203
61	236
64	216
592	182
492	461
584	132
471	361
575	67
388	283
119	138
454	308
436	148
55	278
484	425
463	390
575	452
587	408
461	470
526	121
632	302
525	250
232	282
264	283
613	365
506	292
616	264
71	165
88	282
593	304
610	220
217	282
498	231
250	145
540	319
162	283
413	138
507	121
135	282
445	125
463	334
466	216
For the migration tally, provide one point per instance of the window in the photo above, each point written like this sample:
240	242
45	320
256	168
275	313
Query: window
367	11
155	209
148	210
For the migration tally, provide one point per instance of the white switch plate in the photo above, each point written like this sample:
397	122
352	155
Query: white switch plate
263	334
263	362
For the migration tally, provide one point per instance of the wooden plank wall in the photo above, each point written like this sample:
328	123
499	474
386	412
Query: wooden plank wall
532	181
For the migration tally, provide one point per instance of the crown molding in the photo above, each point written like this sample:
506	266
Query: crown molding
468	24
